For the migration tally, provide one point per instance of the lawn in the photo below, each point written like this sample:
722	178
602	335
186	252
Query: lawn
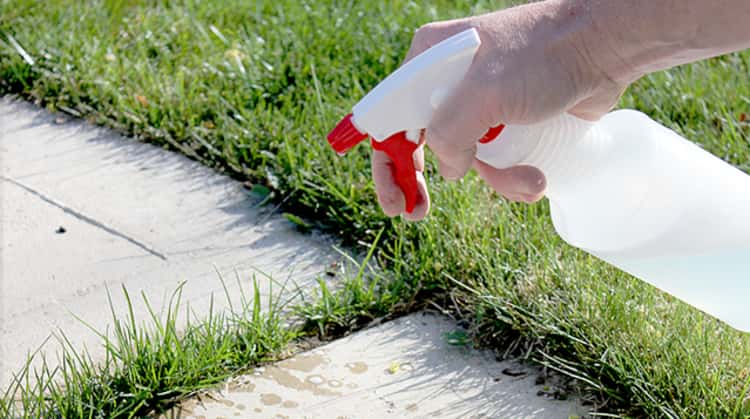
252	87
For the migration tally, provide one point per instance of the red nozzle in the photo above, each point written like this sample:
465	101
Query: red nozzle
345	135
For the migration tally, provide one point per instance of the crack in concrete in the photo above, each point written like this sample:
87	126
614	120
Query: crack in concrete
85	218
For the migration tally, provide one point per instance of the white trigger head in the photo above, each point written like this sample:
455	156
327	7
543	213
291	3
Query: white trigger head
406	99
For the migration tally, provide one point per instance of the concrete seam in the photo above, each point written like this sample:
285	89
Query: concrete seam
85	218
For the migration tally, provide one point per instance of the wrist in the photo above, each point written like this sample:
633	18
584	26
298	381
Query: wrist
628	39
605	52
635	38
592	56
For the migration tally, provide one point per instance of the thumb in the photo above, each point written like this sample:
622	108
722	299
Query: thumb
457	124
518	183
595	106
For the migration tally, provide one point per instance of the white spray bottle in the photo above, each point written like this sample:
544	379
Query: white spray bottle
625	189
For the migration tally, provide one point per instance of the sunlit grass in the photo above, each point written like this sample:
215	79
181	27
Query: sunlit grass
149	367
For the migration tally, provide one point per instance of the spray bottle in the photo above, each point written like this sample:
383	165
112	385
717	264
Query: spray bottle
624	189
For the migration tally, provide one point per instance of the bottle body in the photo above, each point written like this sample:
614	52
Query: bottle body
640	197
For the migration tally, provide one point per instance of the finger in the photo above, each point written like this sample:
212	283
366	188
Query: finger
595	106
419	158
432	33
389	194
456	126
390	197
419	43
423	201
518	183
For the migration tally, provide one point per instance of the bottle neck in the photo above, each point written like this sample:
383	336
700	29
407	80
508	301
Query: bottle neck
563	148
565	152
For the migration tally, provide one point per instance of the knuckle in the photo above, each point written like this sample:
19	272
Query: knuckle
423	38
425	30
486	99
439	144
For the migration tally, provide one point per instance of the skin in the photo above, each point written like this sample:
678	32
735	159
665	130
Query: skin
541	59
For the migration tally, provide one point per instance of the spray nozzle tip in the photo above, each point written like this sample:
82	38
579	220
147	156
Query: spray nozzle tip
345	135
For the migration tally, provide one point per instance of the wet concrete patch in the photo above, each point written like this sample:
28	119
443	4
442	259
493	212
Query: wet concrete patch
404	368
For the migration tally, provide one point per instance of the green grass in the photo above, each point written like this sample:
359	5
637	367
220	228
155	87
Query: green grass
148	368
251	88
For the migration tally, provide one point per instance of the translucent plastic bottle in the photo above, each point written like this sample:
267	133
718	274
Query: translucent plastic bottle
640	197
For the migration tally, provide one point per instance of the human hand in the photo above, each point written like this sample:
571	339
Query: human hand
532	65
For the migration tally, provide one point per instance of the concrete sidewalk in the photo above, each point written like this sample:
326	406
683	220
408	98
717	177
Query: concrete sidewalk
404	368
84	209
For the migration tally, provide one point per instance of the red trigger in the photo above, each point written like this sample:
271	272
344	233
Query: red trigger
401	151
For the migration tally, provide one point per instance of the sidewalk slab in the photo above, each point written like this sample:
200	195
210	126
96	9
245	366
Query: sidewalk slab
84	210
404	368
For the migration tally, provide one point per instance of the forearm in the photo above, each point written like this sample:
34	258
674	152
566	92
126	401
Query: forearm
630	38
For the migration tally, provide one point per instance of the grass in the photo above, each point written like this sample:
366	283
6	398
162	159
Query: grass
148	368
251	88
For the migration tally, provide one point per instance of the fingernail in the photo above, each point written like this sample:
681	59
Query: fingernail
518	197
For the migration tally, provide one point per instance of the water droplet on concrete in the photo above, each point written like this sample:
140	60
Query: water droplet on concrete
304	363
270	399
316	379
356	367
289	404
